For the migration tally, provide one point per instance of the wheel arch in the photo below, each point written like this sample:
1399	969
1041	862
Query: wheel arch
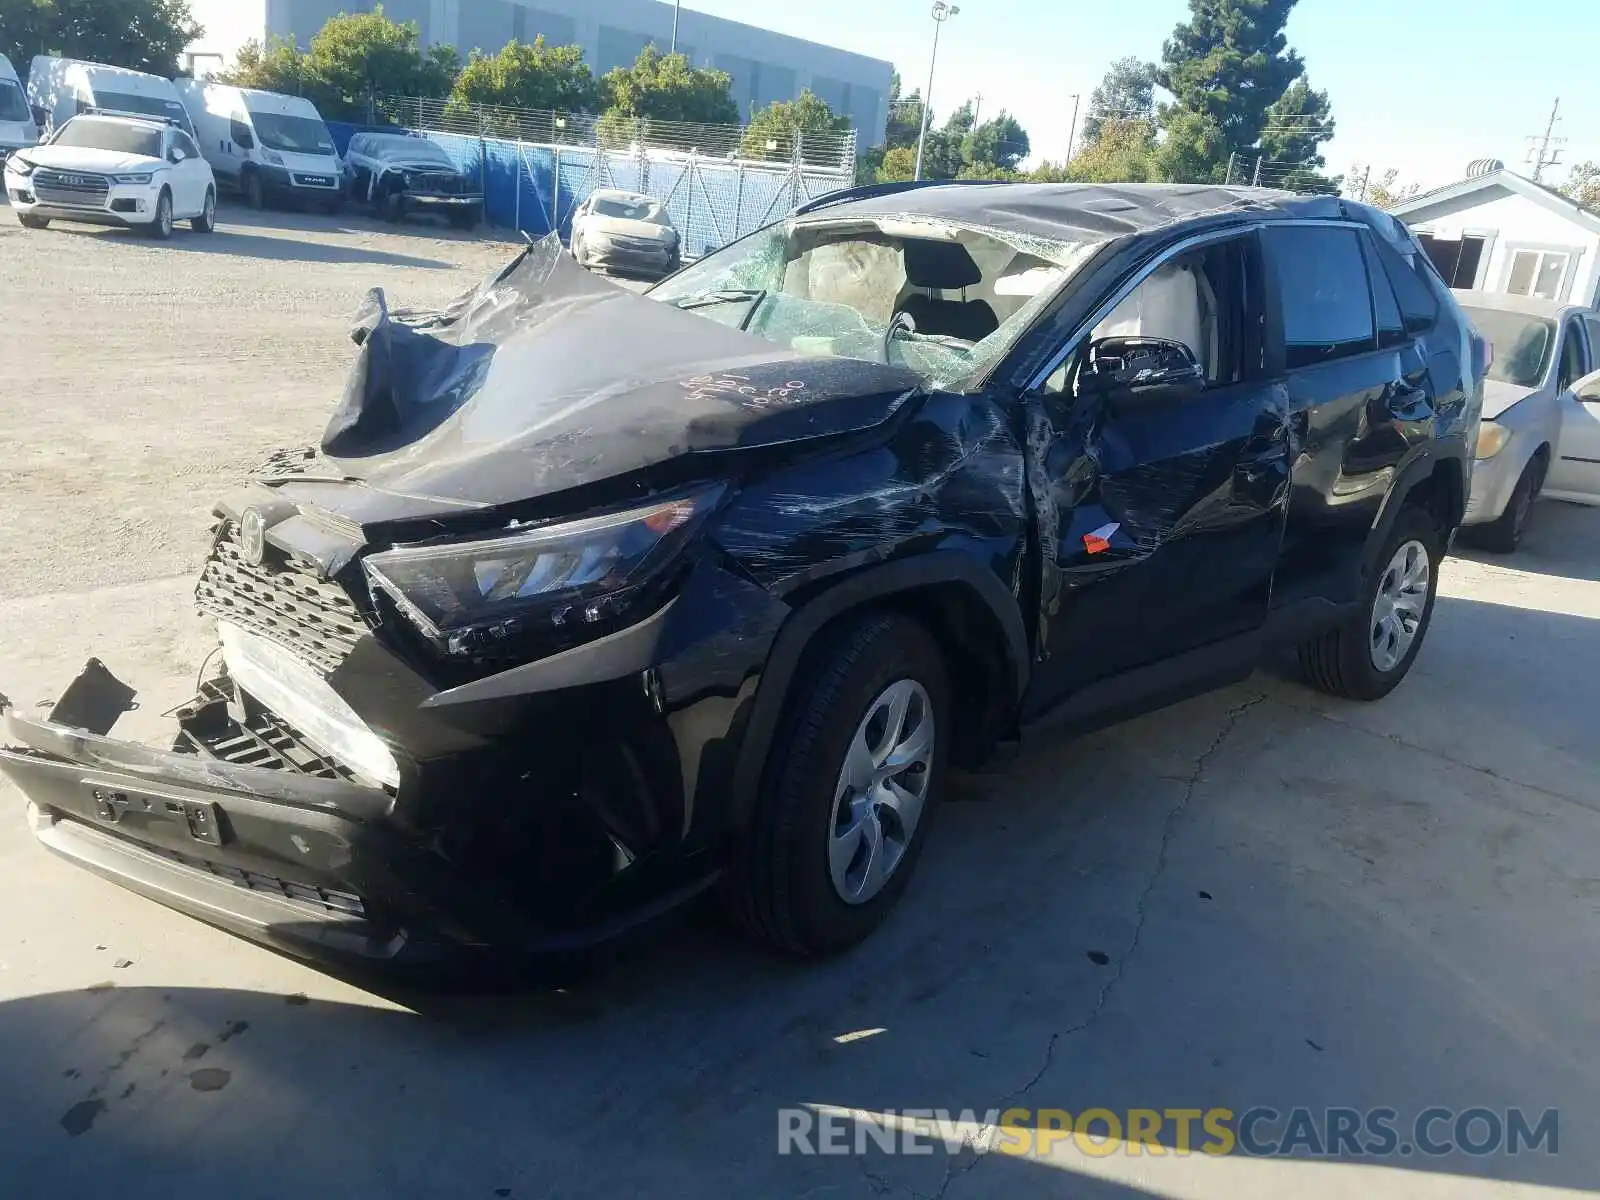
976	621
1435	482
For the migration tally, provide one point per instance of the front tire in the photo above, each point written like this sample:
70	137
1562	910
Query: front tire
207	220
1504	535
1368	656
854	772
161	227
255	191
32	222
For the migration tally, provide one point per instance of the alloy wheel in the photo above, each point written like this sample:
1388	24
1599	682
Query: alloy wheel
1398	607
881	791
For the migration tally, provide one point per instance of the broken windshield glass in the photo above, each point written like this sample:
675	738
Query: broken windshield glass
956	296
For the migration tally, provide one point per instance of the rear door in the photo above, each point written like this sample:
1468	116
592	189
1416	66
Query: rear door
1360	402
1575	474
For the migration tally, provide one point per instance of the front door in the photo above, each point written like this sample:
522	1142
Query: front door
1161	521
1575	474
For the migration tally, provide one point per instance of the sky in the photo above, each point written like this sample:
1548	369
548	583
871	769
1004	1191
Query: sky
1423	86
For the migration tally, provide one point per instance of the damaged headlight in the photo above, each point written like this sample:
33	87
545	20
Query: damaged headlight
466	596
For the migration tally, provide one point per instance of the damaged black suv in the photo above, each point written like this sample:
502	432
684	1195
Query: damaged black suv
591	601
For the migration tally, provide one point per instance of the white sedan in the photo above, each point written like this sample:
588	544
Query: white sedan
114	171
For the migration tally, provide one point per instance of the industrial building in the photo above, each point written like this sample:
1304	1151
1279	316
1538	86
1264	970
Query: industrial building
765	66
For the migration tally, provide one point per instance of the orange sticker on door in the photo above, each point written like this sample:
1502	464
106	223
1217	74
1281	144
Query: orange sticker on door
1099	541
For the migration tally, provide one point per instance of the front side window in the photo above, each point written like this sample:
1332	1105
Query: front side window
13	105
1574	359
296	135
1327	302
943	299
1522	343
183	142
91	133
1537	273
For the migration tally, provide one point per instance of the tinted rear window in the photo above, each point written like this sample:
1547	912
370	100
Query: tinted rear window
1327	305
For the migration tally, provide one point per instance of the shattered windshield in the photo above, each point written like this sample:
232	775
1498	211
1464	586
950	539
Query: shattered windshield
945	300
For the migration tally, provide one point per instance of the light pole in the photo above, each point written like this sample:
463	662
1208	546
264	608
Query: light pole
942	12
677	9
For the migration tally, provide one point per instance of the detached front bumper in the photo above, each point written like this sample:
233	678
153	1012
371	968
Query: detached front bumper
298	861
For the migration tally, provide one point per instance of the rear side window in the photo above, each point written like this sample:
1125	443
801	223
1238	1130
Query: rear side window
1327	304
1419	305
1391	324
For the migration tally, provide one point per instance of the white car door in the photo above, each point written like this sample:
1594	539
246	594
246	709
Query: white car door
1575	474
192	174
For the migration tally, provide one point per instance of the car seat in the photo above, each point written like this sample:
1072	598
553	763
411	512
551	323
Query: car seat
936	266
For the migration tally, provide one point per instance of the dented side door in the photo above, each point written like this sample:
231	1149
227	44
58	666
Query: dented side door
1160	527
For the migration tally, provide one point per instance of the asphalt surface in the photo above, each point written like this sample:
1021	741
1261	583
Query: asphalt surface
1259	898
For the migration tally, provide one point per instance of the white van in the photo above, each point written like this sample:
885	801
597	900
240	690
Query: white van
17	129
264	145
61	88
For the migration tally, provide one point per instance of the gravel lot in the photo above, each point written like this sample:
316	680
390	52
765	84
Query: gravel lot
1261	897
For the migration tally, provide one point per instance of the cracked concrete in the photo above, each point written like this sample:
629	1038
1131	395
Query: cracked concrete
1260	897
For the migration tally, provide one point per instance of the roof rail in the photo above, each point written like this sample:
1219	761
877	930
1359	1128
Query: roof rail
870	191
155	118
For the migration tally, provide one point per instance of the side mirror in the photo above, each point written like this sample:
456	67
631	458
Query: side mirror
176	156
1139	370
1587	389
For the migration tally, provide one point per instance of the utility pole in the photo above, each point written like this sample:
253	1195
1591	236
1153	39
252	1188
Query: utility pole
1072	133
1546	151
1231	157
1366	179
677	11
942	12
1256	182
977	110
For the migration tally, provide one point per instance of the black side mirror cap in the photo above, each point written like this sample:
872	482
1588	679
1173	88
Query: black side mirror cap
1140	370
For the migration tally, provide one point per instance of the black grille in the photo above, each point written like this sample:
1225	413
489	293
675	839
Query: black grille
440	184
63	187
285	600
232	726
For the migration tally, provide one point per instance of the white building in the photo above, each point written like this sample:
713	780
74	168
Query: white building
765	66
1500	232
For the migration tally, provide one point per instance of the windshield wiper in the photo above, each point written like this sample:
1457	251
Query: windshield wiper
751	296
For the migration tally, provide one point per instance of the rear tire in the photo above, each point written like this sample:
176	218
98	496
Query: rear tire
1352	661
801	877
207	220
161	227
31	222
1504	535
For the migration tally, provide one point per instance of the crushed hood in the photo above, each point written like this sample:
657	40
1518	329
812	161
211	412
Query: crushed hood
547	378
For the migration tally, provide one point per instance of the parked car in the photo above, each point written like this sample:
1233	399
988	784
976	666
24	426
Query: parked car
1541	349
397	174
17	130
62	88
626	231
265	146
589	601
114	171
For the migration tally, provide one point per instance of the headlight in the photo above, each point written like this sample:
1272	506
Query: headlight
466	596
140	177
272	157
1492	439
19	165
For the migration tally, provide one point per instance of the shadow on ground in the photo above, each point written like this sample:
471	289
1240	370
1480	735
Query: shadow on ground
1248	900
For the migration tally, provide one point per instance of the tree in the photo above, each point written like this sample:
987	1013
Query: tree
809	119
1127	93
1225	67
278	66
144	35
535	76
905	116
664	87
1124	152
1002	143
360	56
1383	192
1297	125
1583	185
899	163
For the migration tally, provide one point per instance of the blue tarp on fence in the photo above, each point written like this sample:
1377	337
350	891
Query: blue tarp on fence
534	188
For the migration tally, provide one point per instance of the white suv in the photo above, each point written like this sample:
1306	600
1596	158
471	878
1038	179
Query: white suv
114	171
